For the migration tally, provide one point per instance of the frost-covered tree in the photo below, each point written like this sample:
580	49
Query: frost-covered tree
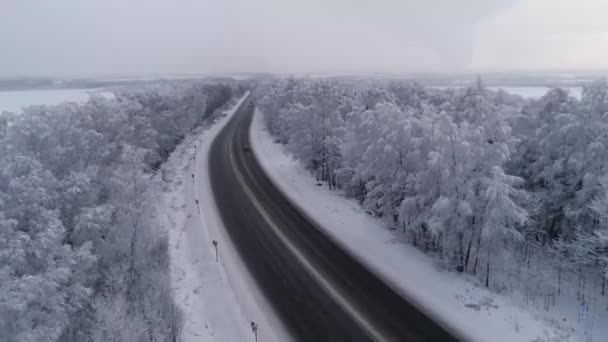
488	182
81	257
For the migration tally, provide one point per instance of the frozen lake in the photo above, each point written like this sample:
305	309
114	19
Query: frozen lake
15	100
528	92
537	92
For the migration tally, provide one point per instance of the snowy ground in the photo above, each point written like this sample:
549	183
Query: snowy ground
537	92
526	92
471	310
15	100
219	299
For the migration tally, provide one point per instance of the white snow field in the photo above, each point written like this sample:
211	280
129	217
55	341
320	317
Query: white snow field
473	311
537	92
219	299
525	92
15	100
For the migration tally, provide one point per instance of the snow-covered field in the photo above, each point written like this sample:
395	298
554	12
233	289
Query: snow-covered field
472	310
219	299
528	92
537	92
15	100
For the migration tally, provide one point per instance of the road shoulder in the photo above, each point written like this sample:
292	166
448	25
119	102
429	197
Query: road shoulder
218	298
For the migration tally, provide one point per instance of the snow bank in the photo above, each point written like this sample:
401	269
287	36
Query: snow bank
219	299
472	310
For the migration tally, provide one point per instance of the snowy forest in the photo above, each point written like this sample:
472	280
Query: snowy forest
81	256
508	191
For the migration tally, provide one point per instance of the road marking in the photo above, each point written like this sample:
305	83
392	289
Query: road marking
329	288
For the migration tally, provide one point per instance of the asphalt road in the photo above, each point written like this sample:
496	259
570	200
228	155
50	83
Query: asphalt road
319	291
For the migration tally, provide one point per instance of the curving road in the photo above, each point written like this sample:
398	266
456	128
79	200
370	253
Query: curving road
320	291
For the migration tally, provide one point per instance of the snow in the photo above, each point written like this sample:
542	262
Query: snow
219	299
15	100
526	92
537	92
469	309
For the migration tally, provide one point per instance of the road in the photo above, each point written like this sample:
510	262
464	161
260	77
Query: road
318	289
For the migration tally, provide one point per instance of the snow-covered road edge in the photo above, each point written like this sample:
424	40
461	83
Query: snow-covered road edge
252	303
473	311
219	300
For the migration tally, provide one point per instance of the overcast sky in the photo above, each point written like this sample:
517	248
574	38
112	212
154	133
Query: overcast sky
187	37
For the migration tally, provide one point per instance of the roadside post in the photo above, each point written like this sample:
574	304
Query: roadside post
198	206
254	328
215	245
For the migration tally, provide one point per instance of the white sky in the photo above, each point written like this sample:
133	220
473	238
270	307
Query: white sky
172	37
544	34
